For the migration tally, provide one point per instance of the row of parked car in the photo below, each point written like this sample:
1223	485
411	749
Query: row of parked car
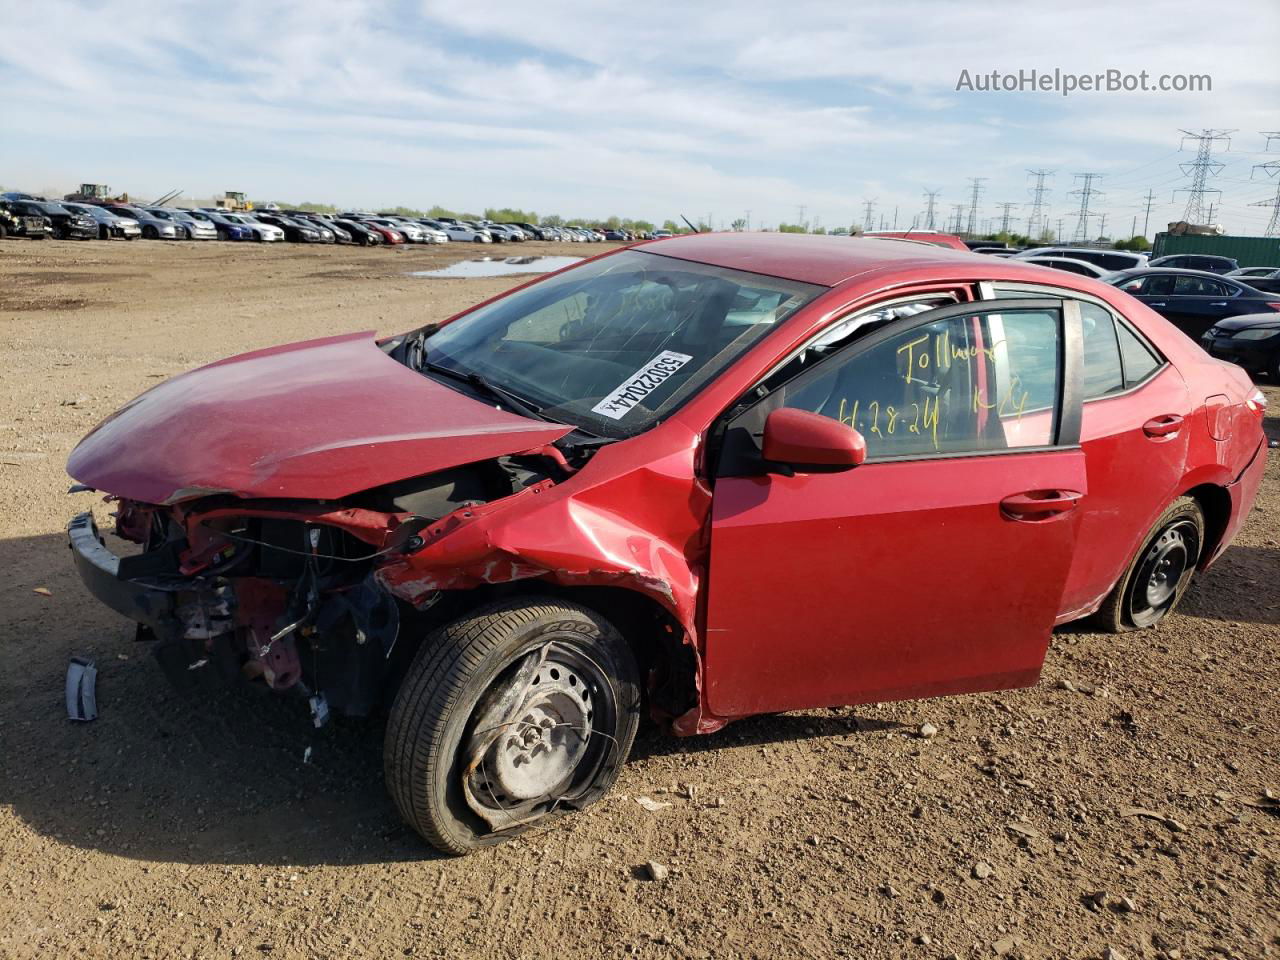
27	215
1233	311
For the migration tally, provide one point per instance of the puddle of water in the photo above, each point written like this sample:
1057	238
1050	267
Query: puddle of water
498	267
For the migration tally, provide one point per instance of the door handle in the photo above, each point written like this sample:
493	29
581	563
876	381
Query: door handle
1220	304
1165	425
1038	505
1157	304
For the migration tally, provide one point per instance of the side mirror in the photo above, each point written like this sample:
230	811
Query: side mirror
799	438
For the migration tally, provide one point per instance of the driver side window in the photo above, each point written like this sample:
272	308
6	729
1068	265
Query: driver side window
980	382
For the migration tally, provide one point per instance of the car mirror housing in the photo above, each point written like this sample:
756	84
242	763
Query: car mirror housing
798	438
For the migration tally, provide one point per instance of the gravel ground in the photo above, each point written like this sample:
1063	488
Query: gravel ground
167	829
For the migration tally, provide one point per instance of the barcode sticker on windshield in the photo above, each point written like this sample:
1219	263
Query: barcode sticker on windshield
640	384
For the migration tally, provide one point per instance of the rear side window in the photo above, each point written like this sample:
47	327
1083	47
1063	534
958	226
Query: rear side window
1199	287
1139	362
1103	373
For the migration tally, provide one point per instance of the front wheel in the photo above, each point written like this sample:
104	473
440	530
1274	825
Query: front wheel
1160	574
507	717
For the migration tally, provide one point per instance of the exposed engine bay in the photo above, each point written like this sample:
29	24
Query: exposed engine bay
287	594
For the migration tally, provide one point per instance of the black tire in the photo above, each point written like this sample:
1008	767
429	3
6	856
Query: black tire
4	231
1159	575
150	233
103	232
463	786
1273	368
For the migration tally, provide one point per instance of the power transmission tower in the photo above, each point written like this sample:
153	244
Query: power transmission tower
1200	169
1146	220
1005	215
931	197
1271	169
1036	220
1102	226
1058	237
1086	192
957	214
868	224
973	203
1270	135
801	221
748	218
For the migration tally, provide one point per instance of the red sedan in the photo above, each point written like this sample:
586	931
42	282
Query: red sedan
715	476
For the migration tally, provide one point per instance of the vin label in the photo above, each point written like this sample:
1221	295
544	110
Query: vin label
640	384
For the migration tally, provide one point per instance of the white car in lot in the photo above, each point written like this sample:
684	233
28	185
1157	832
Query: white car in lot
460	234
263	232
412	232
433	232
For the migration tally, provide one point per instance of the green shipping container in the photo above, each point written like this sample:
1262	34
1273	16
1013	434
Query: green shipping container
1248	251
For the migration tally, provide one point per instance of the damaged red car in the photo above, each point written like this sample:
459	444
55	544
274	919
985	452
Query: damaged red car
717	476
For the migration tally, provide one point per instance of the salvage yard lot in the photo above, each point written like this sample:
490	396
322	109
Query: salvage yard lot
174	829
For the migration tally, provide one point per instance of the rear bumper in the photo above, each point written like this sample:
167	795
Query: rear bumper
1243	492
99	569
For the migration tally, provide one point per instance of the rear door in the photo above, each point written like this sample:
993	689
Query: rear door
1198	302
935	567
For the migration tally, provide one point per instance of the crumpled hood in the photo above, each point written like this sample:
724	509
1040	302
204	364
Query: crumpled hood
317	420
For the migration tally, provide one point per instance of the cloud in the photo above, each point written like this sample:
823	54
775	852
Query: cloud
602	108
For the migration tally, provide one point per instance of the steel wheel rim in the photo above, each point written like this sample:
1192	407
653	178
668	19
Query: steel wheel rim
549	749
1166	563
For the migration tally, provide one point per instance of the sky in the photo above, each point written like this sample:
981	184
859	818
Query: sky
645	110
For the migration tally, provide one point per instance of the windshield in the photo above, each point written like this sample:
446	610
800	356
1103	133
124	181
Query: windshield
615	345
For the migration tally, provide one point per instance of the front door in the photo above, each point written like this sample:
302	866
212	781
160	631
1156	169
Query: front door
935	567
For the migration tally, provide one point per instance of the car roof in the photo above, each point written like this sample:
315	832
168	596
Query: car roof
1180	271
825	260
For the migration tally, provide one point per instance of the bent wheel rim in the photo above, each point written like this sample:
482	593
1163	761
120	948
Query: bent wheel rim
549	746
1166	565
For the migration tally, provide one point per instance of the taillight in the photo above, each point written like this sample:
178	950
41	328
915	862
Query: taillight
1274	306
1257	403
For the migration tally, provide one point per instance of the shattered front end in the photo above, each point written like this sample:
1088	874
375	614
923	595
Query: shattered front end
281	595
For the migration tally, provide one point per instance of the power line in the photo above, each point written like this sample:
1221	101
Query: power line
1271	169
1086	193
973	203
1036	220
1200	169
1005	214
931	197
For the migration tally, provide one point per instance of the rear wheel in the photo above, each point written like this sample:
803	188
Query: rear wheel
1159	575
508	717
150	233
4	231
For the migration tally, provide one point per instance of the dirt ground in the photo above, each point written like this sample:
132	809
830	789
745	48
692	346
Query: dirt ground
167	829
